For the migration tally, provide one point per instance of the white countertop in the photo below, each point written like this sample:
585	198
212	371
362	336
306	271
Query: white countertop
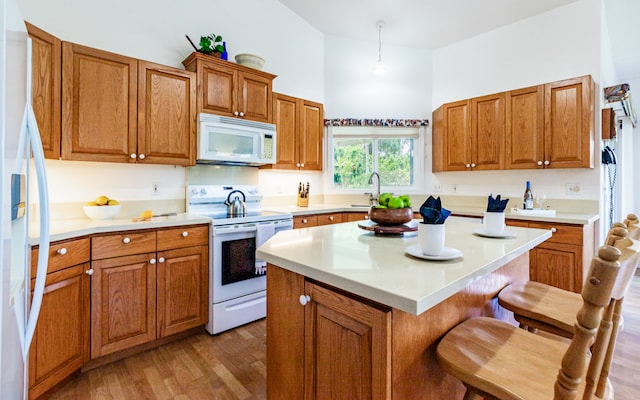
70	228
377	268
560	217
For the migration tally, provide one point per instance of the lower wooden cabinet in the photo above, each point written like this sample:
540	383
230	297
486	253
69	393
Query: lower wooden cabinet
354	216
307	221
141	296
60	343
333	338
563	259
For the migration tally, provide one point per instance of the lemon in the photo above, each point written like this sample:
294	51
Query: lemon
91	203
146	214
102	200
113	202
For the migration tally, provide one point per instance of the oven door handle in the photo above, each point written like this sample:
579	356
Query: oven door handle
234	229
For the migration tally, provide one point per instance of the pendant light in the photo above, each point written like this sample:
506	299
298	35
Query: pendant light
379	68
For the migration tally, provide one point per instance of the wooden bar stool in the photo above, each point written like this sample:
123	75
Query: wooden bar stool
536	305
496	360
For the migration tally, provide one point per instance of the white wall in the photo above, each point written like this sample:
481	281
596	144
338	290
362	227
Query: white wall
559	44
155	31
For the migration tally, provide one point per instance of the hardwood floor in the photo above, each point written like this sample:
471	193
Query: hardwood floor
232	366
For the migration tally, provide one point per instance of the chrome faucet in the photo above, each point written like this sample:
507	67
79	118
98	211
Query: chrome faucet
373	197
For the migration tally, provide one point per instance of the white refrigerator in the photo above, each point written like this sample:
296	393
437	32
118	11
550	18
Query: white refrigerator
21	164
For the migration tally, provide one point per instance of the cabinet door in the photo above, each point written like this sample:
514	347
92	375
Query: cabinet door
557	264
305	221
285	115
254	97
123	303
347	347
61	339
45	87
487	132
218	89
166	115
525	128
457	136
569	116
182	290
99	106
311	130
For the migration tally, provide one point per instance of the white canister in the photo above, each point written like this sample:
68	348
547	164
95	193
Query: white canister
431	238
493	222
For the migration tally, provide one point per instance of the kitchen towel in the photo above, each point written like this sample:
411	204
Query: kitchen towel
263	233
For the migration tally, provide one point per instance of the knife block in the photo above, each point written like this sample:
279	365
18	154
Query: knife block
303	201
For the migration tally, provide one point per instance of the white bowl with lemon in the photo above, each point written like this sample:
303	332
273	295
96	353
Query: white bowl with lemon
103	208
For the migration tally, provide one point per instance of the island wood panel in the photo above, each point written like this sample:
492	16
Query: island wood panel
416	373
182	289
166	114
99	105
46	74
487	132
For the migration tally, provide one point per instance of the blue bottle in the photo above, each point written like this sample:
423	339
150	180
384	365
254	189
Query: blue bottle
225	55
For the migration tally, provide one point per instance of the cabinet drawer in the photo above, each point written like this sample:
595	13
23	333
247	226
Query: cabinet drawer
327	219
63	254
126	243
517	222
186	236
570	234
305	221
354	216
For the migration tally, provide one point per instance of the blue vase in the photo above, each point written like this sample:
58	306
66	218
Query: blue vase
225	55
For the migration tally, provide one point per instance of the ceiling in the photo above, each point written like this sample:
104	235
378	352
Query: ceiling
436	23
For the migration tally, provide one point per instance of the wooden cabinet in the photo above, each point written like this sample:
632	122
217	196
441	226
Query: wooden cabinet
166	115
545	126
147	285
61	340
564	259
46	56
229	89
609	129
300	126
524	128
470	134
307	221
333	338
115	110
355	216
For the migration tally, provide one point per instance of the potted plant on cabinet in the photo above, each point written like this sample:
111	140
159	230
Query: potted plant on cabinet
211	45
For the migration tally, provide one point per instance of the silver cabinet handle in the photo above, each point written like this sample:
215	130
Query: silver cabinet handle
331	218
302	165
133	155
236	113
161	260
546	162
62	251
152	261
473	165
126	240
468	165
304	299
241	114
366	217
554	230
141	156
297	164
539	163
185	234
304	220
89	272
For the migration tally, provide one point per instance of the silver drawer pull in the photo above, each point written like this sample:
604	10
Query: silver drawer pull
126	240
161	260
185	234
62	251
89	272
304	299
331	218
152	261
554	230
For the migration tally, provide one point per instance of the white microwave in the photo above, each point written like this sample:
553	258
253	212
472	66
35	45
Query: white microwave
235	141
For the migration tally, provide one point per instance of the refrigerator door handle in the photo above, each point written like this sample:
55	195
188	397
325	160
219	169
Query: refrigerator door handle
43	250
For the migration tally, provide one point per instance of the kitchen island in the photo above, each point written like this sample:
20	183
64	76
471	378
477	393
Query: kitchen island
350	315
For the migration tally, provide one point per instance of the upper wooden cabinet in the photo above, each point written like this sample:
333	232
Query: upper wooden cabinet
470	134
229	89
544	126
166	114
99	105
299	125
46	55
119	109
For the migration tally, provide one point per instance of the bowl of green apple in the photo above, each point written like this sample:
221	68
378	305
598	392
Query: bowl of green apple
391	210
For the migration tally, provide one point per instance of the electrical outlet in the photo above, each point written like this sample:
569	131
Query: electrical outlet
437	188
155	188
574	189
454	188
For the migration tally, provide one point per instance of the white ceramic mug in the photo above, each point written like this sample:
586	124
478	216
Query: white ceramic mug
493	222
431	238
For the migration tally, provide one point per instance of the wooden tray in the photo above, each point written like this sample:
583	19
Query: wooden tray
369	225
